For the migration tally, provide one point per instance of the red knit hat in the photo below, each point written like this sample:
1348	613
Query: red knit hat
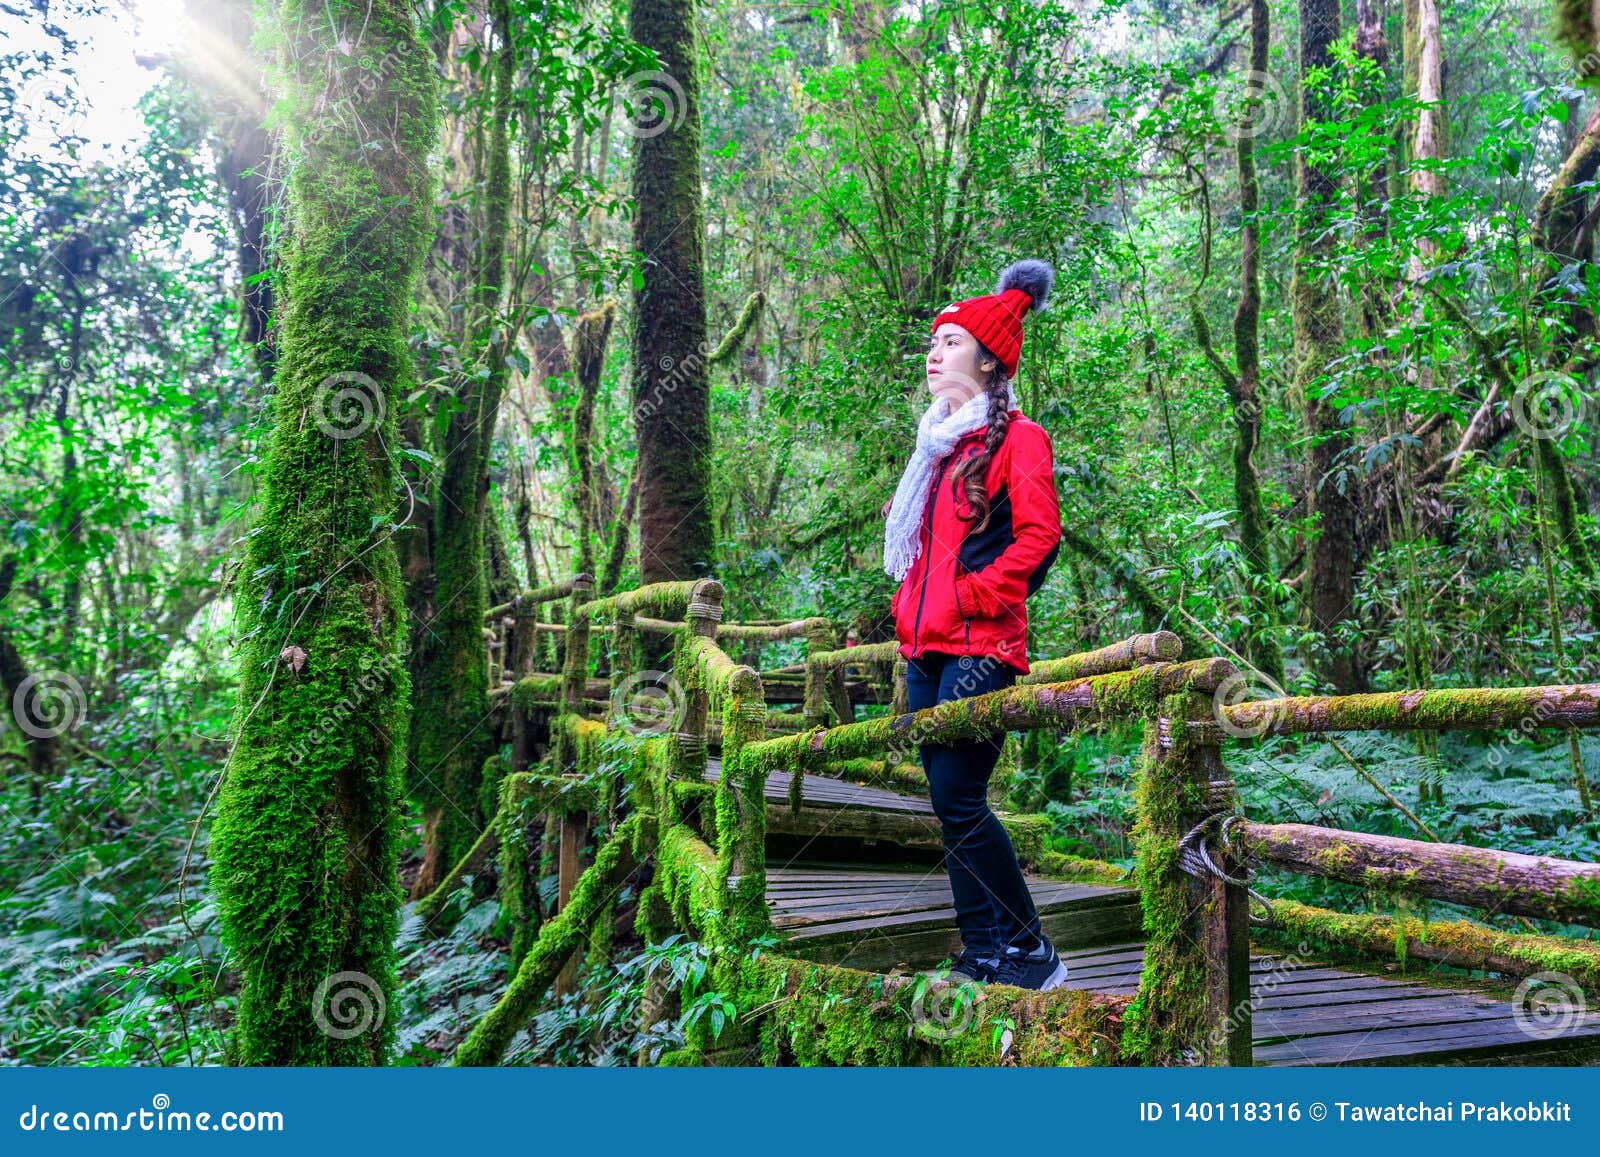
996	319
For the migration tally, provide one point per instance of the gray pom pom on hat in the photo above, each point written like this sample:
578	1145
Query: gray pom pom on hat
1032	276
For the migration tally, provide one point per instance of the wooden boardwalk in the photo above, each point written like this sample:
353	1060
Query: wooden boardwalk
1310	1013
1307	1012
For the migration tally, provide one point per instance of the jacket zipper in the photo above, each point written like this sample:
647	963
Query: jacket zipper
916	624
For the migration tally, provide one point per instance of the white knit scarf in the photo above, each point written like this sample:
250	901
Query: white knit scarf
937	434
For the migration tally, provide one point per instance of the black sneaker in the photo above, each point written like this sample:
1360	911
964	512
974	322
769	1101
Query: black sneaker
1040	969
969	968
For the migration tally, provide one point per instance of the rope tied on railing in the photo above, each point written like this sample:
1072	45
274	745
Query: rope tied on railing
701	609
1195	858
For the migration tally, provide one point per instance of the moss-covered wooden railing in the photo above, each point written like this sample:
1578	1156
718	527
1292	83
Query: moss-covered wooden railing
1488	879
650	801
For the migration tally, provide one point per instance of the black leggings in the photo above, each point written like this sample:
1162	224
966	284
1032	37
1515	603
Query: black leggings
993	905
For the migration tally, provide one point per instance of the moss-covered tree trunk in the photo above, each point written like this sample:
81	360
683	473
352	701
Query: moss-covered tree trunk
589	357
671	391
1564	231
306	838
1318	333
452	735
1245	388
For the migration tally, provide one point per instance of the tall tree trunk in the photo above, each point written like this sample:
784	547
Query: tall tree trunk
671	391
452	706
1424	78
1246	391
1564	232
233	77
306	839
617	551
1318	334
589	356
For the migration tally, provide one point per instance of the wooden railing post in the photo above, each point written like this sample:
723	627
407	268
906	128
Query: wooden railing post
815	707
575	677
742	810
1225	926
1194	994
524	654
492	652
574	668
701	617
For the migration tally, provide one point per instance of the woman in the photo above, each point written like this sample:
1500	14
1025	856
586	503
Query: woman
972	528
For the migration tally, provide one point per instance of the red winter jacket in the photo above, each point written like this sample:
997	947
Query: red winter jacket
966	593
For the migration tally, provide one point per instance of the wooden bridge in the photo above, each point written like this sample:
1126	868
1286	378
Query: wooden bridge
799	848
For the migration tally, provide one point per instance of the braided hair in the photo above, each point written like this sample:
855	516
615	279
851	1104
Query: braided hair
969	474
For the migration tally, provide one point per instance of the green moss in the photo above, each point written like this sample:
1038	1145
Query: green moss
306	839
800	1012
667	600
1361	936
686	870
1058	866
741	808
653	917
906	777
557	941
452	737
1335	858
534	691
1131	694
1030	834
696	805
1167	1021
495	769
519	865
674	1058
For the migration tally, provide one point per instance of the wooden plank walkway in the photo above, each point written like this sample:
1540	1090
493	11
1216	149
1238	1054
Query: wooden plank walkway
1311	1013
1307	1012
838	808
875	919
824	791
